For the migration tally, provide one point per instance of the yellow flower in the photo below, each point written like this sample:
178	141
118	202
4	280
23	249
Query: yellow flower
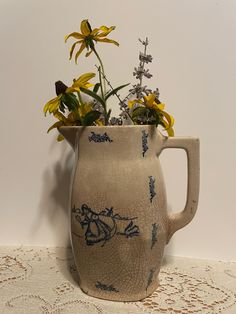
71	120
84	109
74	118
61	89
131	103
150	102
87	36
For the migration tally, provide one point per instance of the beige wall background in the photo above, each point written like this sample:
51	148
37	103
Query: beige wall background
194	49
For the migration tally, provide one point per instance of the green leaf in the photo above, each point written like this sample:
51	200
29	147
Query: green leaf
91	117
139	111
93	95
107	116
62	106
70	101
96	87
115	90
157	116
73	99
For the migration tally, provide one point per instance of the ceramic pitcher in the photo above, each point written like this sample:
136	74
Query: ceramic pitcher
119	218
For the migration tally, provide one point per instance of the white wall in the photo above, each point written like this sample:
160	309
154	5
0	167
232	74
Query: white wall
194	49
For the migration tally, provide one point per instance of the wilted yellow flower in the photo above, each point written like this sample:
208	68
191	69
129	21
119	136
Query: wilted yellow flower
83	81
150	102
71	120
84	109
74	118
87	37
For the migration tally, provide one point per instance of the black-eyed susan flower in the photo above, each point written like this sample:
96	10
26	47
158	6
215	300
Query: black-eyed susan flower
71	120
83	115
152	108
63	92
88	36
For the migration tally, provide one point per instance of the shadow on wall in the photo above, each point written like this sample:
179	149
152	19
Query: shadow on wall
54	201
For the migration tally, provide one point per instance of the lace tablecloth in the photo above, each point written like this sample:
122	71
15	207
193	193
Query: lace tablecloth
43	280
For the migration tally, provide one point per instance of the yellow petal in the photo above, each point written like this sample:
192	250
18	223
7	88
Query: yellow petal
84	78
88	85
84	27
169	130
70	90
82	47
60	138
95	31
52	104
82	81
158	107
84	109
106	40
75	35
88	53
131	103
55	125
99	122
72	117
74	88
169	119
73	47
149	100
58	115
105	30
161	106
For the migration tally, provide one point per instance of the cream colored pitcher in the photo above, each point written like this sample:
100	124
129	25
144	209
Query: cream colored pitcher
119	219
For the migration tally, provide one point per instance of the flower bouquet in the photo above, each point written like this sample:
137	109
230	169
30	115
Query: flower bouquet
140	106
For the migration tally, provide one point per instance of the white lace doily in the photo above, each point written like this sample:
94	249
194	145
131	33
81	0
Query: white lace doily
43	280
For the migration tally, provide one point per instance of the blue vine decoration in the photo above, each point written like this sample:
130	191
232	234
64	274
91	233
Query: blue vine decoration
99	138
144	142
154	234
150	277
152	187
105	287
102	226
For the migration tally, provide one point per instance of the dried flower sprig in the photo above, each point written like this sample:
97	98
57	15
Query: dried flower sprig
140	72
146	108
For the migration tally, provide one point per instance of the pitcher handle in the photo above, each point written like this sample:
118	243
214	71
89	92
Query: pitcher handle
191	145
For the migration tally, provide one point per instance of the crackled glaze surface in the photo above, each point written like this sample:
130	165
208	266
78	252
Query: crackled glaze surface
119	218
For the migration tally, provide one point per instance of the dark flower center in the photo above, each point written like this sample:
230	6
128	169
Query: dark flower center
60	87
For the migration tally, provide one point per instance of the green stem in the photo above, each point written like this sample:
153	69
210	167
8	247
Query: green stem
126	98
102	67
106	115
103	84
80	98
80	104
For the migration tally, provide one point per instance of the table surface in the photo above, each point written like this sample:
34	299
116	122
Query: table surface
43	280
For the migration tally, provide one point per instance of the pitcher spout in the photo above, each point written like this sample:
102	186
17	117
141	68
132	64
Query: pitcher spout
69	133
